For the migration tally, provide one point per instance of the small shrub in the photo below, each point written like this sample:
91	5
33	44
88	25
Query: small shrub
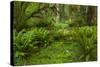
87	38
26	41
41	37
59	34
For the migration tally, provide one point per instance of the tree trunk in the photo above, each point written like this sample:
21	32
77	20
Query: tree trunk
91	15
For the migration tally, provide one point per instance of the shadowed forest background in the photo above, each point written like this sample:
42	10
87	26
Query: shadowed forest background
45	33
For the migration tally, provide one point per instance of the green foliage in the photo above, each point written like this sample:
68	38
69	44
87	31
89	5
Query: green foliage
26	41
32	7
53	33
41	37
27	14
87	38
19	15
61	25
57	52
39	23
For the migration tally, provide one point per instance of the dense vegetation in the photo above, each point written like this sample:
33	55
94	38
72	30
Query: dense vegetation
53	33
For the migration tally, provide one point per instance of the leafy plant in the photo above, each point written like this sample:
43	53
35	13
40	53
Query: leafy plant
53	33
86	37
26	41
41	37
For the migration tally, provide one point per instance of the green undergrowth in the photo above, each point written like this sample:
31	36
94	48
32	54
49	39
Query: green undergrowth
58	52
56	46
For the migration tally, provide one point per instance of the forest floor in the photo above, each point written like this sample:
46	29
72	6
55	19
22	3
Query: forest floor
58	52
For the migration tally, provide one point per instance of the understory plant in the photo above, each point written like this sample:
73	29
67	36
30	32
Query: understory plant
26	42
87	38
